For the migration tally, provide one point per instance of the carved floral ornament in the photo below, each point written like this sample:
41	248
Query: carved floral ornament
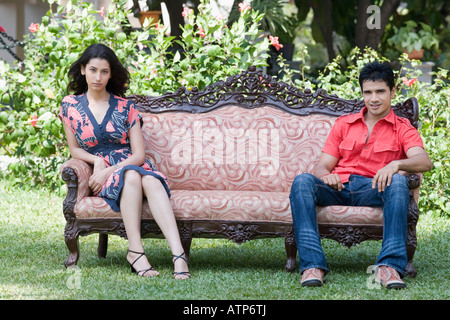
251	88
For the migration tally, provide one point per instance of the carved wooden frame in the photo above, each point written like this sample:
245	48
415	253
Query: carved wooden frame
249	89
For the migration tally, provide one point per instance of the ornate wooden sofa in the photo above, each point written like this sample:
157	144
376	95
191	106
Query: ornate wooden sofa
230	153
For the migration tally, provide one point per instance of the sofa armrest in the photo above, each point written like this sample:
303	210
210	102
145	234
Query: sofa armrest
82	171
414	179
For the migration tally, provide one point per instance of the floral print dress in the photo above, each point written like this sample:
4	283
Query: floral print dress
108	139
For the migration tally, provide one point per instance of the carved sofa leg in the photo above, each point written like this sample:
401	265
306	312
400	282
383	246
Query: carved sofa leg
291	251
186	237
70	232
414	181
413	217
410	270
74	252
102	245
411	242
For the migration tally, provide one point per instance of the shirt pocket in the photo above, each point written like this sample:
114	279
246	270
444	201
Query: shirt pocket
347	148
385	152
347	145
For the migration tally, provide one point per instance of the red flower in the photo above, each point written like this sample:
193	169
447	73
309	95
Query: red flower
34	120
102	12
33	27
2	29
186	12
201	32
244	6
275	43
409	83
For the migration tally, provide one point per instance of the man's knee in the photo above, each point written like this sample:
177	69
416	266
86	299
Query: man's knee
399	181
302	182
304	178
399	186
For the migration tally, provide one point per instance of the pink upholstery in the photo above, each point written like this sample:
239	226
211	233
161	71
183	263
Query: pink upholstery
233	148
231	164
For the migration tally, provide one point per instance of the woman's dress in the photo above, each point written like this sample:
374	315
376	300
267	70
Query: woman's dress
108	139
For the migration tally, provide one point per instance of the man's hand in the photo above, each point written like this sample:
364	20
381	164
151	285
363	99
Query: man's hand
383	177
333	180
323	171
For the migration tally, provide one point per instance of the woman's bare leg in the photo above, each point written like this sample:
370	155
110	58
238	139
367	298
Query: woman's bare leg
162	212
131	209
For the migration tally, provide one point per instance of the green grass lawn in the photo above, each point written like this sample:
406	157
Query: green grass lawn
32	252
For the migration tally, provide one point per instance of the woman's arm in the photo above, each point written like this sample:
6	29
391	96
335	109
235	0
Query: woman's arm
137	147
101	173
75	150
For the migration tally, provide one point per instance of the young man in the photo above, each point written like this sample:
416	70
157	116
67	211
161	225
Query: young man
359	166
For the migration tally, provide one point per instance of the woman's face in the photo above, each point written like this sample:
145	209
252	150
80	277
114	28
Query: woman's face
97	72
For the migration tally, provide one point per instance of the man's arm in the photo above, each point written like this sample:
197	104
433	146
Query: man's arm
417	161
323	171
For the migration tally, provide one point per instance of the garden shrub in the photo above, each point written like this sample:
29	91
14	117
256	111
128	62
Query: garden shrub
31	92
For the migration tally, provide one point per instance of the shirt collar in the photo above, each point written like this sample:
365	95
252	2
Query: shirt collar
360	116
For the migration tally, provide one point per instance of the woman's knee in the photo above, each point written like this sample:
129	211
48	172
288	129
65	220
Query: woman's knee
132	177
150	182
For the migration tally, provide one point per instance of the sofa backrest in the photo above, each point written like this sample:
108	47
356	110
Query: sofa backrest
233	148
249	132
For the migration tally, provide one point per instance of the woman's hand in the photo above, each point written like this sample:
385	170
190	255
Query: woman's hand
100	175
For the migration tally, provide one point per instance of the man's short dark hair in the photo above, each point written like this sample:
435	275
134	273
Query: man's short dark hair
376	71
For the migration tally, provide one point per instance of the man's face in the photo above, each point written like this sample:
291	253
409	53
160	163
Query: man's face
377	97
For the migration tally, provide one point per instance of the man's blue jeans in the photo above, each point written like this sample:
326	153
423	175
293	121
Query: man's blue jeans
308	191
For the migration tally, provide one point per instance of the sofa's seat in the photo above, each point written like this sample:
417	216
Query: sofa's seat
236	206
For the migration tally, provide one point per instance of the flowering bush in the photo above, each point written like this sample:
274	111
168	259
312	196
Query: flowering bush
210	51
32	91
434	115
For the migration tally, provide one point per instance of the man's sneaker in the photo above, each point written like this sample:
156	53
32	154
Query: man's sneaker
388	278
312	277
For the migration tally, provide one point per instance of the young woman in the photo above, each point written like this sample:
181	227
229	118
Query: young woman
103	129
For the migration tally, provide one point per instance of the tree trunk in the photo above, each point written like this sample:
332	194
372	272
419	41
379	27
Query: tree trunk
175	8
361	27
325	23
365	37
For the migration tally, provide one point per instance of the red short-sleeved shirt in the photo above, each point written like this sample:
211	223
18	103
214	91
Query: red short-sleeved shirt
390	139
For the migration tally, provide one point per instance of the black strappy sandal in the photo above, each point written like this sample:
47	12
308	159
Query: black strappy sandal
140	272
183	273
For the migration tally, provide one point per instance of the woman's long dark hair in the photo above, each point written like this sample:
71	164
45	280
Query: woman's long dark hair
119	75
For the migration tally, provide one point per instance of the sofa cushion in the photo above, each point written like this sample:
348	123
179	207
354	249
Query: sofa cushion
236	206
234	148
